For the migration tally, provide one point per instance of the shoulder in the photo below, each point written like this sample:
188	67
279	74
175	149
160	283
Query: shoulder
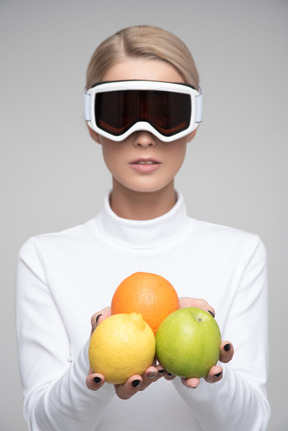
58	241
227	238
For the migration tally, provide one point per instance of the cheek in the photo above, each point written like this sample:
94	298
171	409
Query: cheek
177	154
110	152
110	159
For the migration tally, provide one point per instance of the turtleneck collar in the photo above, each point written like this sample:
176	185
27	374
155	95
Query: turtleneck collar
143	233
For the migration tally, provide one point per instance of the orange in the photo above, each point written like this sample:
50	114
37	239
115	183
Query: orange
148	294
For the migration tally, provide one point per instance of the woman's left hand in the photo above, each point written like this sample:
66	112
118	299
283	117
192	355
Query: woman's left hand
216	372
226	348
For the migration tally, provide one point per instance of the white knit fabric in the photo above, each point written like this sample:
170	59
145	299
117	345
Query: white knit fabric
63	278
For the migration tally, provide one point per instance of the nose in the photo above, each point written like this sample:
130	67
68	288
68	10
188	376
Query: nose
144	139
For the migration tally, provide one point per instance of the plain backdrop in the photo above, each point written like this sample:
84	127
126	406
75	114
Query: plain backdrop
235	173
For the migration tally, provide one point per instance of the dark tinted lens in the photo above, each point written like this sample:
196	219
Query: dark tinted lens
169	112
116	111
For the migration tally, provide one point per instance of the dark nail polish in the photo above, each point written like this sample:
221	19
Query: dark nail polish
135	383
212	314
97	380
227	347
170	375
161	371
218	374
98	317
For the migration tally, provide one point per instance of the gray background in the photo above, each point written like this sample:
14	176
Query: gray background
53	176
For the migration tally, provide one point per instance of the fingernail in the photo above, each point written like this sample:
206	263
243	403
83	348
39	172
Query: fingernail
170	375
97	380
97	318
161	371
227	347
135	383
212	314
151	375
218	375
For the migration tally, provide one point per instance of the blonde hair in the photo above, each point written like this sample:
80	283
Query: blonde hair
142	41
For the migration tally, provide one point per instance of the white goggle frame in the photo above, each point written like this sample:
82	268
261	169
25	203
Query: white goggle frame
196	106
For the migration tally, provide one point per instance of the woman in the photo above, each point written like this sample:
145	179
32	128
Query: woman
64	278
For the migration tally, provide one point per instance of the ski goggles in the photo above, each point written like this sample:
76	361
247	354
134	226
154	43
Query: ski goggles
167	110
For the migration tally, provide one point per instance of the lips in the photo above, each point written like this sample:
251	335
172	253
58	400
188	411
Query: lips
145	162
145	165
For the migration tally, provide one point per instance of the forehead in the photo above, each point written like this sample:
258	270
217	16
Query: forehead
141	68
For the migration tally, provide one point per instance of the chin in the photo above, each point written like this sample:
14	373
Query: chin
149	189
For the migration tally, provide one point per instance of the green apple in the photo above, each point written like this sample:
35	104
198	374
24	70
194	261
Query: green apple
188	342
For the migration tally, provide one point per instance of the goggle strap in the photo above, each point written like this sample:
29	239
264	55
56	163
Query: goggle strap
199	108
87	101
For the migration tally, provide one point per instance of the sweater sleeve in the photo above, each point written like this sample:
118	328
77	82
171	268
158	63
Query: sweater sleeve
239	400
54	383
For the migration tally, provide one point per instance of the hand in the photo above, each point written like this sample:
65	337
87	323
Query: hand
95	381
226	348
138	383
216	372
197	303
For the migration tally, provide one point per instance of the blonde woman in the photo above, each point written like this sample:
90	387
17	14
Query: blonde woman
143	105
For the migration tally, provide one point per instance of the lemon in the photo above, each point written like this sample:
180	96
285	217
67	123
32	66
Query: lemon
121	346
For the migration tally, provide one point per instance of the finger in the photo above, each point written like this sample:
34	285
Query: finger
94	381
98	317
191	382
129	388
215	374
169	376
226	351
161	370
197	303
164	373
150	375
152	372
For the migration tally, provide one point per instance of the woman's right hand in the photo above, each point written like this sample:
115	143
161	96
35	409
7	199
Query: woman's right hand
95	381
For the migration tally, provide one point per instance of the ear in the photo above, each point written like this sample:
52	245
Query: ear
94	135
191	135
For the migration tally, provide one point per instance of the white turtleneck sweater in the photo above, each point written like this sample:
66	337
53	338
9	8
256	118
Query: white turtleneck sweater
63	278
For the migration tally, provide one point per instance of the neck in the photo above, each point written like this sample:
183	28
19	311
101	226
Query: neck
135	205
